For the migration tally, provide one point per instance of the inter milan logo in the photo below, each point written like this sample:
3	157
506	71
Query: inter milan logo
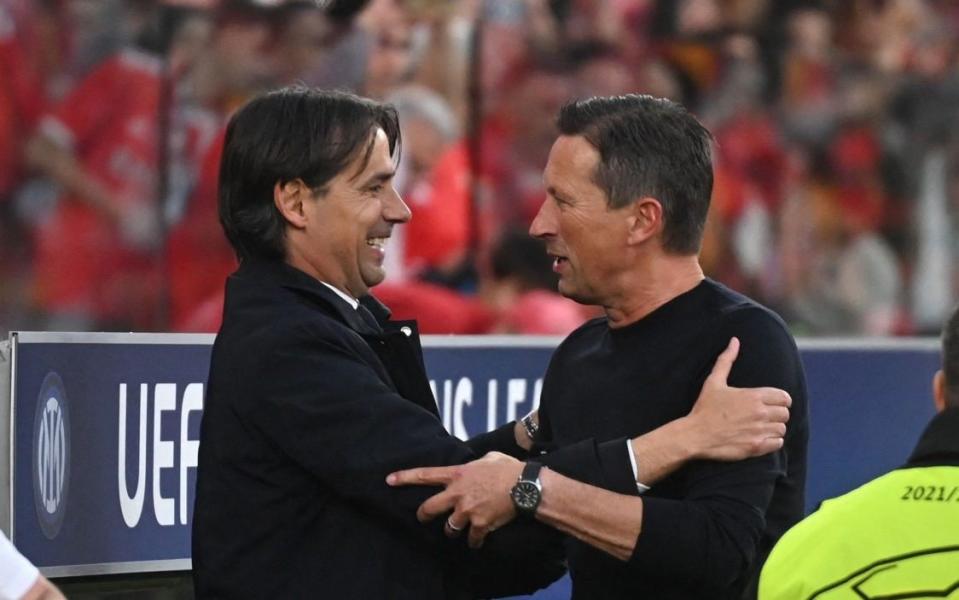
51	455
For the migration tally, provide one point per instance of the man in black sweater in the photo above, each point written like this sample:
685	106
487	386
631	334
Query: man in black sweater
629	183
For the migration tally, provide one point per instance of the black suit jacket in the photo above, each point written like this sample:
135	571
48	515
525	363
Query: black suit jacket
309	406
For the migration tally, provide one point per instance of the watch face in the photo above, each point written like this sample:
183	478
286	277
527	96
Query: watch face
526	495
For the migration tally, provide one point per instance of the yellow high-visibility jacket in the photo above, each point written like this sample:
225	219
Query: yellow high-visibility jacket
895	537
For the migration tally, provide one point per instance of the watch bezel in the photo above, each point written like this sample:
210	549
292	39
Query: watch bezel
527	493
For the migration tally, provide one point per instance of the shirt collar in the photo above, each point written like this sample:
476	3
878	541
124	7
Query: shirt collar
280	273
349	299
939	443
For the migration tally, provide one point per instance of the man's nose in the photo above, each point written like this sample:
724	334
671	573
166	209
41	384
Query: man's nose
395	210
543	224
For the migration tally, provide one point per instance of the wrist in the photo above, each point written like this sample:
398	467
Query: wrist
527	493
520	436
683	435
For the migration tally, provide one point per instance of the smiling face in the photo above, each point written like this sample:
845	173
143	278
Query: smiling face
346	228
586	238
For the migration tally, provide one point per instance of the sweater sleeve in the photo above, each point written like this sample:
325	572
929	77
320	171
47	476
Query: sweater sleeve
502	439
711	535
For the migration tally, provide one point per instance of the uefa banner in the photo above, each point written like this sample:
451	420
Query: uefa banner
104	429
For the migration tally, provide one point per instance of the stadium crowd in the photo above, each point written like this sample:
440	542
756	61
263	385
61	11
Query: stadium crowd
837	169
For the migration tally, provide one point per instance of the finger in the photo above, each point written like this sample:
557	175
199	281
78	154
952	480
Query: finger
435	506
776	430
422	476
476	536
724	362
768	445
455	525
775	397
777	414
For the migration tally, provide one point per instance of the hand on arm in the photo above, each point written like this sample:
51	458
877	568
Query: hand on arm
476	494
726	423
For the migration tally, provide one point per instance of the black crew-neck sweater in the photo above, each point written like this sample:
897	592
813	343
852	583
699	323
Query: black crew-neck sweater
708	526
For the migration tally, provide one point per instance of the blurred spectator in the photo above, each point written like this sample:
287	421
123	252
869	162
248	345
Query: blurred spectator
237	63
437	309
390	57
198	256
23	95
844	278
435	183
835	128
809	76
30	53
604	74
516	140
96	252
520	289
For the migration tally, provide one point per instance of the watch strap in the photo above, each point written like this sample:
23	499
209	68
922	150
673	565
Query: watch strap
531	471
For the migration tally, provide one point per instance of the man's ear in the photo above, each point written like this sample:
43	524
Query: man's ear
645	220
289	198
939	390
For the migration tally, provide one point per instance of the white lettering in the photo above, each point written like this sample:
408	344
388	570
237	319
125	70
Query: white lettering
164	399
132	507
537	392
491	393
447	408
435	397
515	395
464	396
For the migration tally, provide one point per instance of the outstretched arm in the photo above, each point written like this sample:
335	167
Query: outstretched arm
726	423
711	534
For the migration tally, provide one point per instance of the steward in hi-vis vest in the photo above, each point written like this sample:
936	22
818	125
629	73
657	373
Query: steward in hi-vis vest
896	536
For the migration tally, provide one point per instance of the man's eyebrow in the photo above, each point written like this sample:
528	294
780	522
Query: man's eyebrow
556	193
380	177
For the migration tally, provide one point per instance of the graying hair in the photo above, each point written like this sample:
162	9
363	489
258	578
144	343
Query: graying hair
418	102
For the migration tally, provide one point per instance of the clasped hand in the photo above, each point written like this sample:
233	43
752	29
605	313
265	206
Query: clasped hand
477	493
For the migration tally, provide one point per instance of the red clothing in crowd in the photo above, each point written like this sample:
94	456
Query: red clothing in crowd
199	256
436	309
438	234
84	265
22	98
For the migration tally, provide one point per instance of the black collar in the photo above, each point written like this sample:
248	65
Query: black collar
939	443
287	276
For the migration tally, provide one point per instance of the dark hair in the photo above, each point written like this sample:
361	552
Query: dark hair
950	358
292	133
649	147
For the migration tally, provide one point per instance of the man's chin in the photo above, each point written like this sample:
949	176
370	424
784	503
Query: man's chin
374	277
568	291
564	288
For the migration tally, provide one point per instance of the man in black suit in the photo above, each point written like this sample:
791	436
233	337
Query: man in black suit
314	395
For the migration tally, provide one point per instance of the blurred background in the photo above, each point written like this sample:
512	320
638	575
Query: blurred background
835	124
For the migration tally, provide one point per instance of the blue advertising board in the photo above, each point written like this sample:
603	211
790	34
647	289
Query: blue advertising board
105	427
